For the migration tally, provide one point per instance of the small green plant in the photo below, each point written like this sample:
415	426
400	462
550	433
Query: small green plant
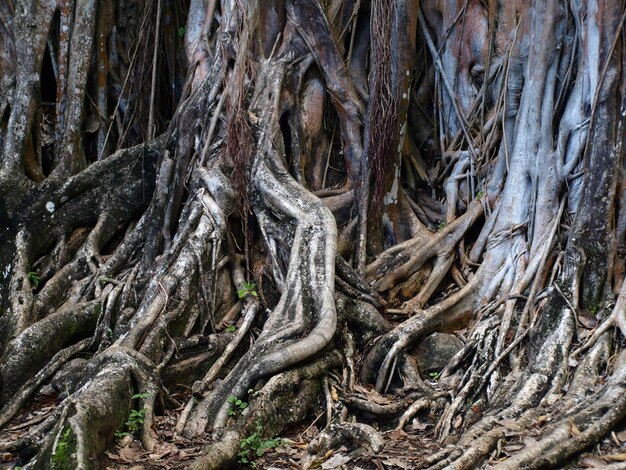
236	406
135	419
248	288
253	393
434	375
34	278
181	32
480	194
231	328
62	452
254	446
441	225
134	423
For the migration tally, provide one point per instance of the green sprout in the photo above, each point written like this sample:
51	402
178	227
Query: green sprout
34	278
248	288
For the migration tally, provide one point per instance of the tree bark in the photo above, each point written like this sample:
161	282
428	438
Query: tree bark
336	181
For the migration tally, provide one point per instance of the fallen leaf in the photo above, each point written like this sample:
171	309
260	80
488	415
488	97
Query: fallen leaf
162	449
396	463
573	429
397	434
160	455
512	448
587	319
333	394
336	461
591	461
129	454
615	457
510	424
418	425
114	457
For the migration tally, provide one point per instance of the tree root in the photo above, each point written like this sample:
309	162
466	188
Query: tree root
25	392
337	434
285	399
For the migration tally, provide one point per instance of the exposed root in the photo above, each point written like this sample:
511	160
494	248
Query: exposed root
349	178
338	434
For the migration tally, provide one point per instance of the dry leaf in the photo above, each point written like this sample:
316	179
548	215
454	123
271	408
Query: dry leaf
129	454
512	448
587	320
333	394
336	461
591	461
418	425
397	434
615	457
510	424
160	455
396	463
573	429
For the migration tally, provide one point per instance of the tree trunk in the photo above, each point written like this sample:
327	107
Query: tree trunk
288	196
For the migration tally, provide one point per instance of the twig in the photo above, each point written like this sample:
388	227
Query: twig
155	61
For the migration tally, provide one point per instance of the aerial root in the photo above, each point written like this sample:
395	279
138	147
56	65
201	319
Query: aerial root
26	391
100	406
577	431
392	344
417	406
617	318
358	402
38	344
337	434
203	385
572	429
285	399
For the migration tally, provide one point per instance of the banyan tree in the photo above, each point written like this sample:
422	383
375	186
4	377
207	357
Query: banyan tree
278	200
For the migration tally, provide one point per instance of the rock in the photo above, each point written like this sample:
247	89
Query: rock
434	352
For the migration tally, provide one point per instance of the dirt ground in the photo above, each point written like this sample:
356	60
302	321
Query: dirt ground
403	449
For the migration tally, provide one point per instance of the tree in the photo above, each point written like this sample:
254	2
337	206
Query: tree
339	179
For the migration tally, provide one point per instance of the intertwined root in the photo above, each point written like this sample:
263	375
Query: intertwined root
252	250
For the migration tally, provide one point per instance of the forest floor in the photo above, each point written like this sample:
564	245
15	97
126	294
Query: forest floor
403	449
